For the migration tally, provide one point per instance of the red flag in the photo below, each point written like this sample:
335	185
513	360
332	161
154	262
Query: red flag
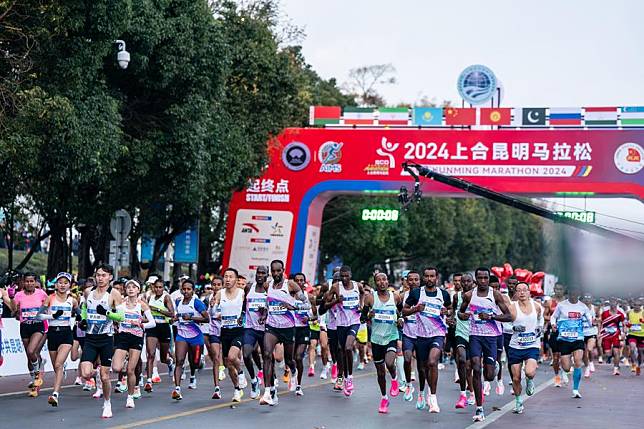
455	116
498	116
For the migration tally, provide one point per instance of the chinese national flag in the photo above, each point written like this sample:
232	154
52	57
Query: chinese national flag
498	116
455	116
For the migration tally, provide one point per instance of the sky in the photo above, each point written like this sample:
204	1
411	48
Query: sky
546	53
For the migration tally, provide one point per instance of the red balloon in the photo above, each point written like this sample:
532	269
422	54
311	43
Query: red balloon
507	270
538	276
521	274
497	271
536	289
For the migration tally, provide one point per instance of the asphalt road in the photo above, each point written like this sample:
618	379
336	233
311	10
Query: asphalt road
608	401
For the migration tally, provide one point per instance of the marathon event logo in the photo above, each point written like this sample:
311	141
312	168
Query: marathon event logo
296	156
476	84
330	155
629	158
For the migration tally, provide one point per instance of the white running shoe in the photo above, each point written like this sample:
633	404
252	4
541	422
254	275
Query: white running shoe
78	381
193	383
433	404
486	388
587	372
238	395
137	392
592	366
183	375
564	377
413	376
242	381
222	373
99	393
107	410
129	403
576	394
266	399
500	388
292	383
299	391
360	366
324	374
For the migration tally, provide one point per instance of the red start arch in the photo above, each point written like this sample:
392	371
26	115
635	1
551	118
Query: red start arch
278	216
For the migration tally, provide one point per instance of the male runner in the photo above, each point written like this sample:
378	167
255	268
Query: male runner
612	322
330	306
495	284
430	305
463	358
256	309
409	347
457	279
523	349
635	337
381	309
302	333
590	337
484	307
349	294
568	322
548	309
99	313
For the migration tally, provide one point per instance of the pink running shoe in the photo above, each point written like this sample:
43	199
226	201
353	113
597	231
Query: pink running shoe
260	375
462	402
311	372
348	387
334	371
393	391
384	406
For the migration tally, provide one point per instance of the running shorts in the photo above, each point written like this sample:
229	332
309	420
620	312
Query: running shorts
462	342
252	337
518	356
485	347
231	338
59	335
499	345
283	335
379	351
345	332
213	339
589	337
568	347
30	328
609	343
302	335
332	335
408	343
553	342
450	338
126	341
161	331
506	342
98	346
634	339
194	341
315	335
424	346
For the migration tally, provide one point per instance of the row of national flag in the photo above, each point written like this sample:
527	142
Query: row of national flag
454	116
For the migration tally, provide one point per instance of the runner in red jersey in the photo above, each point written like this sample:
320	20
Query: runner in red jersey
612	333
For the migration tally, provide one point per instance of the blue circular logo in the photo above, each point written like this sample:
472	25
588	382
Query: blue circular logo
476	84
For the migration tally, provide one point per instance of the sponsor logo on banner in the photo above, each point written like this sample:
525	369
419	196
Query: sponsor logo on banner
629	158
249	228
296	156
278	230
268	191
330	155
380	167
476	84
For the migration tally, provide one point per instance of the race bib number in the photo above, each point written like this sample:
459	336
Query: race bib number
350	303
183	321
570	330
432	310
477	315
29	313
388	317
411	318
636	327
254	305
276	309
96	318
159	318
526	338
229	321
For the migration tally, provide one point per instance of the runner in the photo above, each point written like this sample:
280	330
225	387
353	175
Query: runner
230	301
349	294
568	321
330	307
548	310
484	307
302	332
33	331
463	358
635	337
98	312
495	284
409	347
382	311
590	337
430	305
189	340
57	310
612	322
450	339
160	335
280	326
129	340
214	337
523	350
316	328
256	308
5	299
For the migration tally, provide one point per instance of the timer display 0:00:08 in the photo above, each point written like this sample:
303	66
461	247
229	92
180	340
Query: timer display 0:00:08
380	214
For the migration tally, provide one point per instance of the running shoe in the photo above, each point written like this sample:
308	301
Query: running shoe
334	371
633	366
222	373
529	387
393	391
148	386
238	395
587	372
98	394
254	389
433	404
486	388
274	397
170	368
107	410
33	392
137	393
122	387
92	383
637	370
311	372
299	391
557	380
360	366
156	378
615	370
176	394
292	383
564	376
260	376
53	399
339	384
500	388
420	402
479	415
471	400
576	394
409	393
462	402
592	366
413	376
348	387
87	387
38	379
324	374
384	406
242	381
286	377
193	383
78	381
266	399
217	393
518	406
402	386
129	403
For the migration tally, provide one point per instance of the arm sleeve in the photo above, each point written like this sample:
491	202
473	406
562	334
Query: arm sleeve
200	306
150	323
116	316
84	311
413	297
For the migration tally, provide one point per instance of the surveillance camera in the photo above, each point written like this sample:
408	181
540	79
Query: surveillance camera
123	58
